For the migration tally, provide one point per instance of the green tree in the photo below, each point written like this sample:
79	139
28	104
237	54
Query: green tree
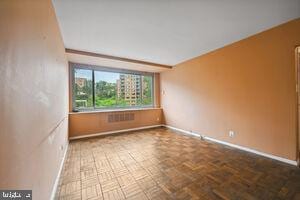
105	94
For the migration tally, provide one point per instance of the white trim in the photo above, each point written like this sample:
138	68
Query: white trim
113	132
114	110
291	162
183	131
59	173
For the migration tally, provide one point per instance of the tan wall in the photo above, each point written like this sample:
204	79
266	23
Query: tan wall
97	122
34	96
247	87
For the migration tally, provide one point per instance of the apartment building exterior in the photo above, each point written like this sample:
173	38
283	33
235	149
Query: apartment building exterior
129	88
80	82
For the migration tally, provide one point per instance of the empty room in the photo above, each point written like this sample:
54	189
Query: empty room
112	100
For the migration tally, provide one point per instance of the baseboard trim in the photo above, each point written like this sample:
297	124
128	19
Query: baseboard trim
59	173
291	162
113	132
183	131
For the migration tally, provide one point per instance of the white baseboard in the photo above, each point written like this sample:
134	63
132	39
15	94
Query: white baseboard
291	162
59	173
113	132
183	131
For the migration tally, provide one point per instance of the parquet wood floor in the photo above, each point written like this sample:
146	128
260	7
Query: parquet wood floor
162	164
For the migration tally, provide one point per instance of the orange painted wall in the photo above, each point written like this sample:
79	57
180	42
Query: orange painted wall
89	123
34	96
247	87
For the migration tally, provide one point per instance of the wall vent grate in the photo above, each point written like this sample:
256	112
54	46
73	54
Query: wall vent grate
120	117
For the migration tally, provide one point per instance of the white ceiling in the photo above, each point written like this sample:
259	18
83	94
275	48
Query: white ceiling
166	31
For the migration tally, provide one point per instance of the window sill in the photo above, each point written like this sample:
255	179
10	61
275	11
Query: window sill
112	110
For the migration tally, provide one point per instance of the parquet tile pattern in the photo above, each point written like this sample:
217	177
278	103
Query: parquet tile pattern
162	164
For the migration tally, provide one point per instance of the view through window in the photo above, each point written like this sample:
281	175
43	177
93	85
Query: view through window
96	89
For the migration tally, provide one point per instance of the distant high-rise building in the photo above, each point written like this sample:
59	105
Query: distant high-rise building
118	85
129	88
80	82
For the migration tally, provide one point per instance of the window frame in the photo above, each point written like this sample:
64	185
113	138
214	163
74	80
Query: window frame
94	68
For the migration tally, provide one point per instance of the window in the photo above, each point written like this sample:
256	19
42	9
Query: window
83	88
104	88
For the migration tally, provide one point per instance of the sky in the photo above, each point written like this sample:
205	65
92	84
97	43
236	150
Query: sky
106	76
99	75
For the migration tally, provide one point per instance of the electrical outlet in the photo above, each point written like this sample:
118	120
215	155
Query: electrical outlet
231	133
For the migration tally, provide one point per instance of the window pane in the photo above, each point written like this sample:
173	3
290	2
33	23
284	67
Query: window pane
111	89
147	90
83	90
106	89
129	90
117	90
